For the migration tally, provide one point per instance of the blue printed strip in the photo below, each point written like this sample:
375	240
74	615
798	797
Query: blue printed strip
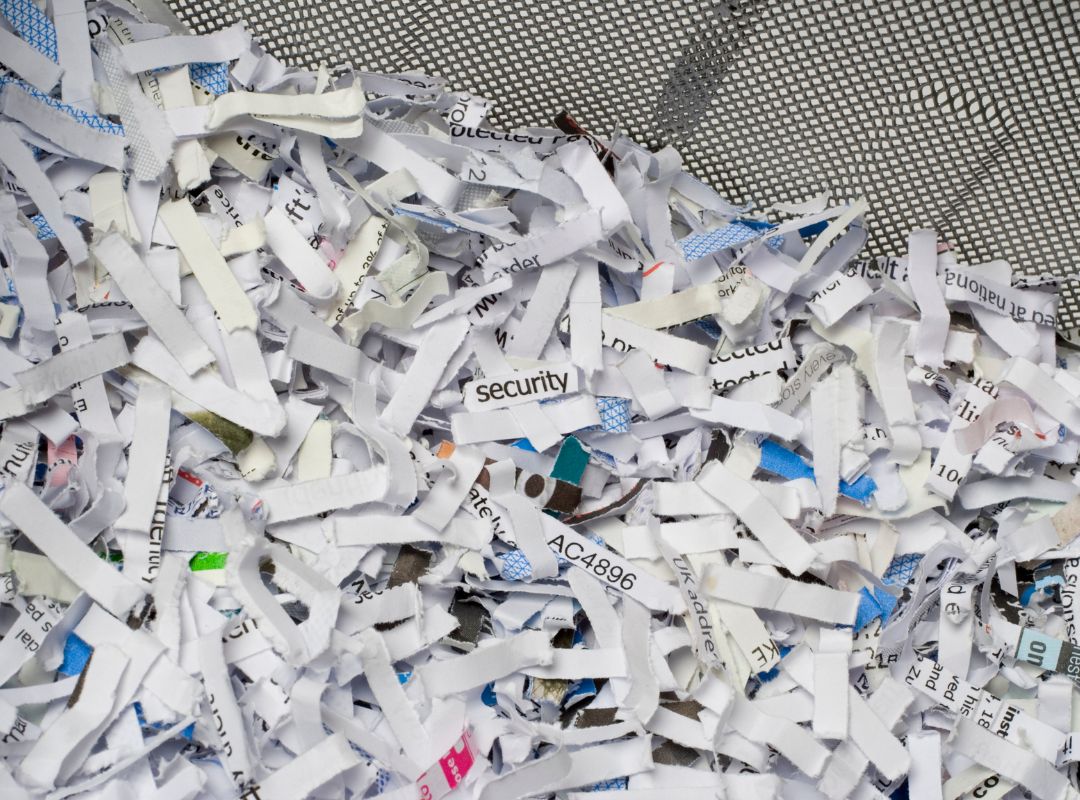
610	785
901	569
438	222
582	688
187	732
699	245
774	673
44	230
516	567
211	75
860	489
32	24
614	414
1041	585
80	116
710	327
76	654
783	462
879	604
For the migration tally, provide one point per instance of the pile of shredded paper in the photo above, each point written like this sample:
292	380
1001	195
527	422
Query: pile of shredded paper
354	447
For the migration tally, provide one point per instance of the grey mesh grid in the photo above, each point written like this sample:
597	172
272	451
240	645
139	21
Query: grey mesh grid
960	116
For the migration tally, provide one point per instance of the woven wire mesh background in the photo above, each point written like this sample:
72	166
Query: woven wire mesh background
961	116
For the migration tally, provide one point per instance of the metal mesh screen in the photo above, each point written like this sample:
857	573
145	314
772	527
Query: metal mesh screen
960	116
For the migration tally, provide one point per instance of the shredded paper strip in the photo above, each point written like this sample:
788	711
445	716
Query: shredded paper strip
353	447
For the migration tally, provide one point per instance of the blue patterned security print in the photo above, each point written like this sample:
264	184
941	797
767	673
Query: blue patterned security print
80	116
32	24
44	229
901	569
516	567
614	414
610	785
211	75
699	245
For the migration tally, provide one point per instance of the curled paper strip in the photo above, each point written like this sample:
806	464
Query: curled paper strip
351	447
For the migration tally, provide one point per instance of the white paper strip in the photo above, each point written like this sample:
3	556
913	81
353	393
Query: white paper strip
759	515
781	594
152	302
206	262
97	578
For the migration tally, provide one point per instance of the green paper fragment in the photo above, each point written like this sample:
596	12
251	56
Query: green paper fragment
231	435
204	561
